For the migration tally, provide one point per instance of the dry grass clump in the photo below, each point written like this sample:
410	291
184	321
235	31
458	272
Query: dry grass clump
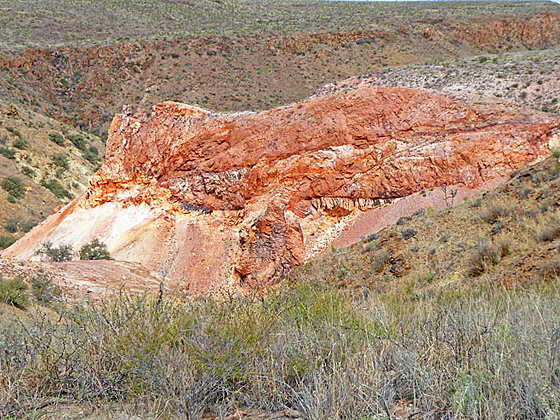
326	354
486	255
549	230
493	212
379	259
550	269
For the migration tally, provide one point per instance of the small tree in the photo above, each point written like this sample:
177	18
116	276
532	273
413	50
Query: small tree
94	250
56	254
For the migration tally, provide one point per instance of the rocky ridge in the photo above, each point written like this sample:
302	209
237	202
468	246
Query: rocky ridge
209	201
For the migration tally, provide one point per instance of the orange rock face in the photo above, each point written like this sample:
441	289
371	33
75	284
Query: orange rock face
236	200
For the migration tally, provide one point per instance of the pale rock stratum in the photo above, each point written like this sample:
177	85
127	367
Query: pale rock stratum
213	201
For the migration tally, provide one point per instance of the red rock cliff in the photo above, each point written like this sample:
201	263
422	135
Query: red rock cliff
226	200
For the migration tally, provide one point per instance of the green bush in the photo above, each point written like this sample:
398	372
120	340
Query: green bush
13	186
27	226
14	292
57	138
13	131
8	153
60	160
56	254
11	225
6	241
90	156
27	171
20	144
94	250
78	141
556	153
56	188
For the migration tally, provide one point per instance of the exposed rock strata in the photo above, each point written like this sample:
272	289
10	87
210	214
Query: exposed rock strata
226	200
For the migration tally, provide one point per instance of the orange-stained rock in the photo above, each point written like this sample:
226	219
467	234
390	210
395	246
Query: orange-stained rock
213	201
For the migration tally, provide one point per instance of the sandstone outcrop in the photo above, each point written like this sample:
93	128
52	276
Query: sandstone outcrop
208	201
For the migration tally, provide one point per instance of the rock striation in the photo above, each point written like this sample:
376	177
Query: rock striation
211	201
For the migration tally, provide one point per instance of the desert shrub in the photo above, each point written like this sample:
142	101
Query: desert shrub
504	246
525	192
379	259
546	204
485	255
13	186
57	138
13	131
27	226
90	156
43	290
6	241
11	225
56	188
78	141
373	245
60	160
556	153
94	250
27	171
408	233
59	173
550	269
371	237
549	231
20	144
493	212
8	153
14	292
476	203
61	253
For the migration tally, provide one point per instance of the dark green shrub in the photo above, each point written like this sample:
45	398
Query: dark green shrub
27	171
57	138
13	131
27	226
8	153
78	141
56	188
94	250
408	233
90	156
11	225
6	241
14	292
13	186
60	160
20	144
56	254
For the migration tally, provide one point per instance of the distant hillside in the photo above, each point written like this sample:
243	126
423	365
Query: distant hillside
43	163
